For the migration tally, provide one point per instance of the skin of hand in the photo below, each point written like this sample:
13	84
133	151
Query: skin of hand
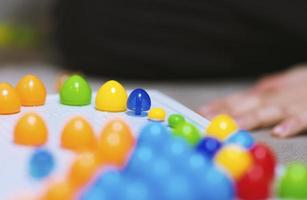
278	101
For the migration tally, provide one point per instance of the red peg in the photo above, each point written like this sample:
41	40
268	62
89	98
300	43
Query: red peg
265	157
254	184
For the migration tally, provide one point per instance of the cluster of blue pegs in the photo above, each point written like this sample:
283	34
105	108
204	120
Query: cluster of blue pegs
162	167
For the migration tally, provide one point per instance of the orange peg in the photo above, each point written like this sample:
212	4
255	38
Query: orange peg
83	169
57	191
78	135
30	130
115	143
31	90
9	99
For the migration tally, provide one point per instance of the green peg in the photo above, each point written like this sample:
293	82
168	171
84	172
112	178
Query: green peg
175	119
293	184
188	132
76	92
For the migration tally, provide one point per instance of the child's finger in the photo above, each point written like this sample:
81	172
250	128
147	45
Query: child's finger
292	126
262	117
280	81
212	109
245	105
227	105
268	83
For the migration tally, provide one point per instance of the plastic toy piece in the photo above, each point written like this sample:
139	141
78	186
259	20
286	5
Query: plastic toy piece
30	130
241	138
177	150
140	161
94	192
208	146
78	135
221	127
293	183
188	132
59	190
196	166
265	157
83	168
159	169
150	167
105	186
135	189
9	99
254	184
178	187
235	160
41	164
175	170
154	135
31	90
139	101
111	97
216	185
175	119
157	114
76	92
115	143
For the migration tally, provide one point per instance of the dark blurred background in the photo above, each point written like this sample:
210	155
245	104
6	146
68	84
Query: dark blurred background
26	31
156	39
181	39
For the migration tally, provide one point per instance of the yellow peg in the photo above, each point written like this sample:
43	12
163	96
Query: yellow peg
111	97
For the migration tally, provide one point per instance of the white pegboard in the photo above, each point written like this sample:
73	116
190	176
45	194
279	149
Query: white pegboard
14	159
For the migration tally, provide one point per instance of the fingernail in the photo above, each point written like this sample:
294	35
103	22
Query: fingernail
281	130
278	130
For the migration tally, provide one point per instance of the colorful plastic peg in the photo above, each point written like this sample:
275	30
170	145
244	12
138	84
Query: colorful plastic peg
78	135
83	169
235	160
59	190
41	164
30	130
254	184
76	91
111	97
293	184
208	146
139	101
31	90
264	156
221	127
115	143
188	132
175	119
156	114
9	99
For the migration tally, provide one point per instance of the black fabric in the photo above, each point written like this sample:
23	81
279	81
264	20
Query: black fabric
181	38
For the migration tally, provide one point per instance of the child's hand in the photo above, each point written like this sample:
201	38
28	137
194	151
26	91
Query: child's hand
279	100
